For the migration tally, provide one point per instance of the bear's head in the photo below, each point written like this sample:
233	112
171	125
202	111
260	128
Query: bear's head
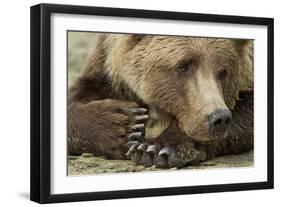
194	80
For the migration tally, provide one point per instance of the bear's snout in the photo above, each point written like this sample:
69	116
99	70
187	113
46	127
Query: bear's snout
219	122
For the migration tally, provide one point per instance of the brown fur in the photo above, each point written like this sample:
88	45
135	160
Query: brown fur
141	70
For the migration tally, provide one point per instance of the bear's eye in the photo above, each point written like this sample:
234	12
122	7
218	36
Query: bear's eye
185	69
222	74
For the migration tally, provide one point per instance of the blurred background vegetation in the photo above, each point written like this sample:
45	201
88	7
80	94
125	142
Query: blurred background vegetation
80	46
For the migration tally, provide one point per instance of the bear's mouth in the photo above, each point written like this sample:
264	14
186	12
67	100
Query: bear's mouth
211	139
205	127
208	138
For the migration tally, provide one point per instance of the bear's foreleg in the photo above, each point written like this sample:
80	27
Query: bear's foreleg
103	127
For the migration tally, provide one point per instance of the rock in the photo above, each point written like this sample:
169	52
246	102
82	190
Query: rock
87	155
72	157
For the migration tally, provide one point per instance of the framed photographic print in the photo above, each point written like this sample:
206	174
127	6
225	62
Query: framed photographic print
133	103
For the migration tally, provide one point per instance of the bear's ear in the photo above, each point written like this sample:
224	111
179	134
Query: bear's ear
244	49
133	40
242	44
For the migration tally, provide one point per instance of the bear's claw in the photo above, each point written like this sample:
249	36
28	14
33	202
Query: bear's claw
149	155
141	117
132	149
153	148
134	135
142	147
138	110
165	151
136	128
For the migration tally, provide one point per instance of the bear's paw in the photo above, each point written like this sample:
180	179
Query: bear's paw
164	156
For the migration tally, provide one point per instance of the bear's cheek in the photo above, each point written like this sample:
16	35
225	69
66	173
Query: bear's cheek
163	95
194	127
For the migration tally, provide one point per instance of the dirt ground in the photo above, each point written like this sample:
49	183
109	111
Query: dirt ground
79	47
88	164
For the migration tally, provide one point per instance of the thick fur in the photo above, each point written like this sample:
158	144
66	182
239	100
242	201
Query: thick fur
127	71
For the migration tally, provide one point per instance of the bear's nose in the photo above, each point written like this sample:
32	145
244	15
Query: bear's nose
219	119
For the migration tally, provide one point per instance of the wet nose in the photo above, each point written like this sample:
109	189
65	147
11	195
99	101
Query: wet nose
219	119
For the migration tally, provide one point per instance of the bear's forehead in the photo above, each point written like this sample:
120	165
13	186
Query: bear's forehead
179	48
195	42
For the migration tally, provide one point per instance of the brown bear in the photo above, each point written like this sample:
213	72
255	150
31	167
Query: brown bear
167	101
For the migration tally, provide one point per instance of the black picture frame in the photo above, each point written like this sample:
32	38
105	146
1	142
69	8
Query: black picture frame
41	96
